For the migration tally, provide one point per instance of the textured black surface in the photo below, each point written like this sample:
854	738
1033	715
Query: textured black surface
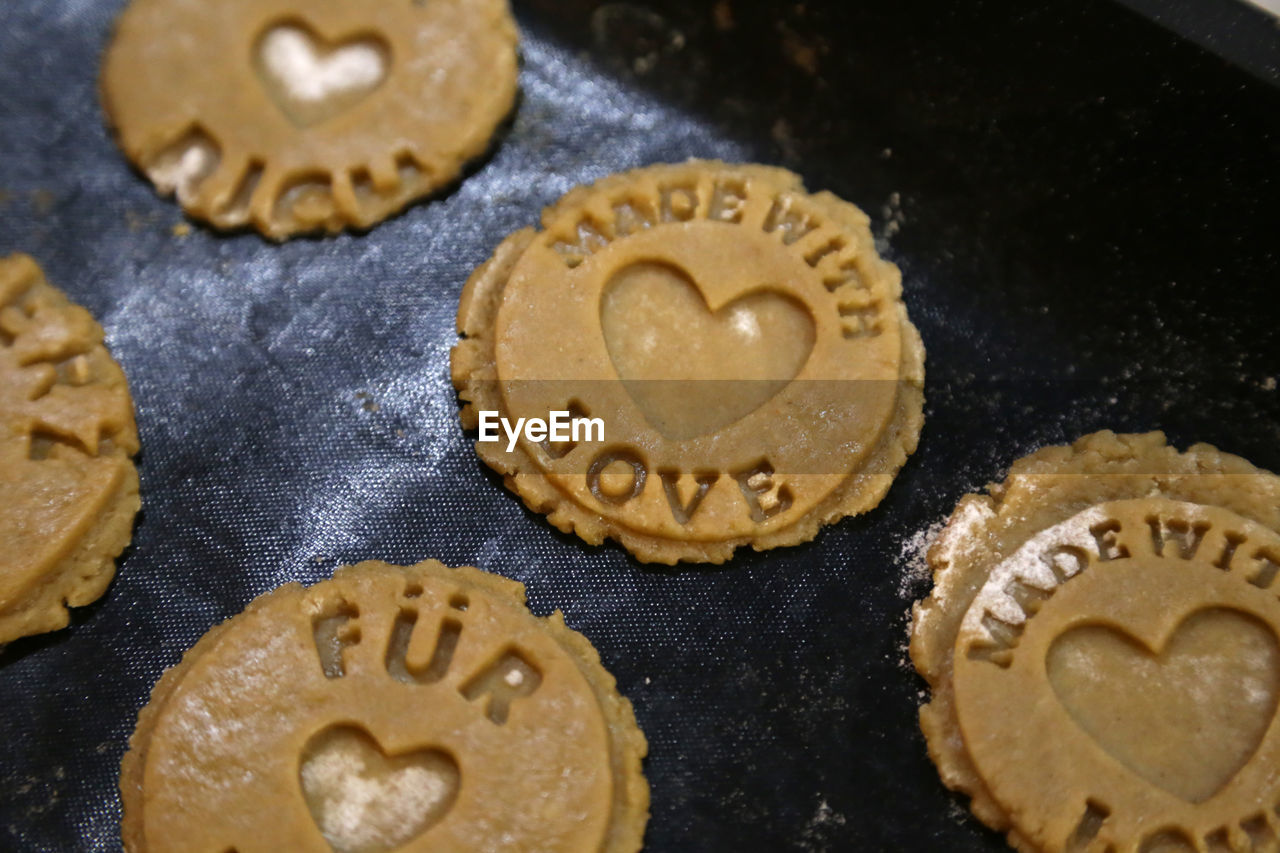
1086	213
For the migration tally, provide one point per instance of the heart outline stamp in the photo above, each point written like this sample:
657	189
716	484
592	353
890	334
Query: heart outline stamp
312	78
1186	686
365	800
767	334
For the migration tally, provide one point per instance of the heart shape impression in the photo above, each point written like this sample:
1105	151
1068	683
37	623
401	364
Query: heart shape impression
312	80
365	801
689	369
1187	717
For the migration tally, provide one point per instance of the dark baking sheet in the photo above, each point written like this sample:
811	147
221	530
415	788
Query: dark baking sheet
1086	213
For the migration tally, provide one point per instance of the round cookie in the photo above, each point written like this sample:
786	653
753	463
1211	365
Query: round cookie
303	117
1102	646
408	709
66	437
744	350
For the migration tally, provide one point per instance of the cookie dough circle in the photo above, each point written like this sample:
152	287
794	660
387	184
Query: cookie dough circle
748	353
413	709
303	117
1103	648
66	437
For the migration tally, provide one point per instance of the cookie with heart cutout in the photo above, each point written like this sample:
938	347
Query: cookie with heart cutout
1102	645
69	487
408	709
737	356
306	117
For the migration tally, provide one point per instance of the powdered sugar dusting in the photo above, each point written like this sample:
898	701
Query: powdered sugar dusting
914	575
291	56
960	536
913	563
1028	565
816	835
181	172
358	806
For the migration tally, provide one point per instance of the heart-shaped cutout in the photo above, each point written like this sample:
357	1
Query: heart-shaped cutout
689	369
365	801
312	80
1187	717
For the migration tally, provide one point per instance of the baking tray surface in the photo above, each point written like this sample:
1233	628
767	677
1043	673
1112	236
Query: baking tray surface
1084	208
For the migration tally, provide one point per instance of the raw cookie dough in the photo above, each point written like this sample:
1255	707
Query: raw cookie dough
302	117
746	350
409	709
70	491
1103	648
